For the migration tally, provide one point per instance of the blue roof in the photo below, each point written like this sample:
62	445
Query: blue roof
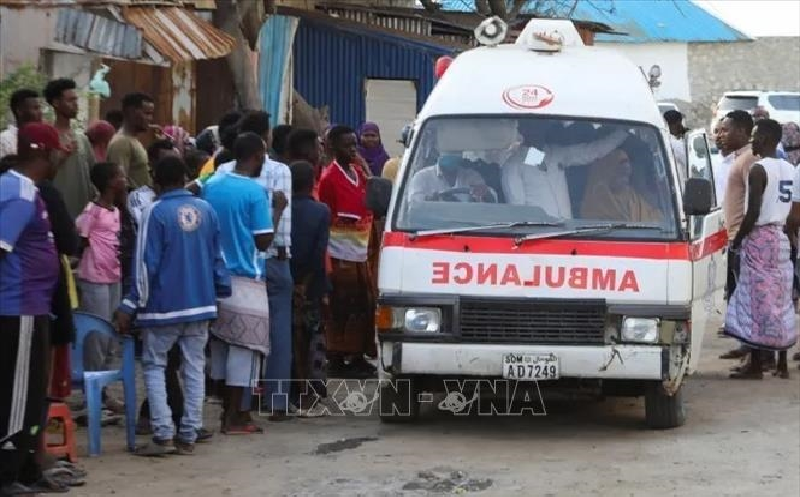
644	21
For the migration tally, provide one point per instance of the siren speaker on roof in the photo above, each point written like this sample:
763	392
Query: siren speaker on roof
491	32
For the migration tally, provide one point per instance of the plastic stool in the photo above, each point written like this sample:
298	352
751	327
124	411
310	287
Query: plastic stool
60	412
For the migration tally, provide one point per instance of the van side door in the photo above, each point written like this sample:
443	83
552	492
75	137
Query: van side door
708	248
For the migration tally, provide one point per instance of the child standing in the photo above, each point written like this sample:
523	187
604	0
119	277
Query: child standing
99	271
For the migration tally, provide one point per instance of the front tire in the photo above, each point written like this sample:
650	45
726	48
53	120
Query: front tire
399	401
663	411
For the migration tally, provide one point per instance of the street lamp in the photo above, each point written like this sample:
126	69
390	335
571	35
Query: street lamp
655	73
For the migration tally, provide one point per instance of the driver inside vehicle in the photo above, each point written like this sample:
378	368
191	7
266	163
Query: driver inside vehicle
611	194
450	181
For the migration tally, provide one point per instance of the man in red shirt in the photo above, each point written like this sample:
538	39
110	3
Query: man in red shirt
350	327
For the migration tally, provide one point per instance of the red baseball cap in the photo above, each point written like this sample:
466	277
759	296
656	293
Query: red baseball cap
38	136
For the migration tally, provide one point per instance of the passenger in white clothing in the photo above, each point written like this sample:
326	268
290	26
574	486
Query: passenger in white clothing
677	133
721	164
535	174
437	181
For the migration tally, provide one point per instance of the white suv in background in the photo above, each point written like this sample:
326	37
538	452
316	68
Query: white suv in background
783	106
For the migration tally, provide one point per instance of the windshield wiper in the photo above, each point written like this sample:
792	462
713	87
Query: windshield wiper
466	229
590	228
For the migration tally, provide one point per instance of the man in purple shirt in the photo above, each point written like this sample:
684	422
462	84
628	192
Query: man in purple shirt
29	270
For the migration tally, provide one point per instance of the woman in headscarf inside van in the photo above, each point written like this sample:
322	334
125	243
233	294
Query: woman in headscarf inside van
370	147
611	195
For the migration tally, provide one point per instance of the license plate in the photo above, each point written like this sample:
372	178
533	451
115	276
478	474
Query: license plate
530	367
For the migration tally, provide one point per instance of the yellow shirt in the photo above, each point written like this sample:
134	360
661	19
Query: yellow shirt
390	168
208	168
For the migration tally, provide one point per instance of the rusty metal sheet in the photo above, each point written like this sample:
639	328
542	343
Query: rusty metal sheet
95	3
178	34
98	34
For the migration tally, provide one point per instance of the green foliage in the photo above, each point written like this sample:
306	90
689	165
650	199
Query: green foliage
25	77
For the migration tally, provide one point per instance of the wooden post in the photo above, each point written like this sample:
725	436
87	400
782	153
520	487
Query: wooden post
94	107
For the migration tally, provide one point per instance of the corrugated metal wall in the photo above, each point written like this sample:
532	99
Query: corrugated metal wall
332	63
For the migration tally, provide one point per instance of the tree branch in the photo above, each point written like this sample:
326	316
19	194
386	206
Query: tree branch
482	7
498	8
516	8
429	5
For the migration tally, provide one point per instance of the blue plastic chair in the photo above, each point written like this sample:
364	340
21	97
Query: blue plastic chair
92	382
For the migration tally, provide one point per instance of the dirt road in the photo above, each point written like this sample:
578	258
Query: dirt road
741	438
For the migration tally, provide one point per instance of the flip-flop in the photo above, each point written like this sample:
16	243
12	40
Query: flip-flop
248	429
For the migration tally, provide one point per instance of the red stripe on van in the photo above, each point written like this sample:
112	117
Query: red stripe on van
681	251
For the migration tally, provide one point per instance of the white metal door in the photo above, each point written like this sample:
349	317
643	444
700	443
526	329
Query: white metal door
391	104
709	248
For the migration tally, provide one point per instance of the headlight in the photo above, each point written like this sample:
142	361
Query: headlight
644	330
422	320
390	319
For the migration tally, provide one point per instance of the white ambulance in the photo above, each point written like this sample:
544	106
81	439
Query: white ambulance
538	233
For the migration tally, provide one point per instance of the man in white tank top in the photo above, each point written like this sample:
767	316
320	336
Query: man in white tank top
793	229
760	312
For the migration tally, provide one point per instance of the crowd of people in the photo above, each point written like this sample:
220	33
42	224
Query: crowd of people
758	186
244	256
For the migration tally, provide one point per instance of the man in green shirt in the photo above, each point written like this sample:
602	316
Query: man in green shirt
125	148
72	179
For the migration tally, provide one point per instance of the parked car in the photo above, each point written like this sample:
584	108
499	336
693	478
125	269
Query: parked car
665	106
783	106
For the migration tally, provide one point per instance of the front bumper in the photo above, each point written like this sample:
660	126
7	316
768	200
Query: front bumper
628	362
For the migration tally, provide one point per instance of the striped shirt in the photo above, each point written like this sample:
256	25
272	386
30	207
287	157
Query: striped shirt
274	176
138	200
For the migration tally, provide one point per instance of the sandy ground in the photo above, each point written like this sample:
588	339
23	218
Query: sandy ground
741	438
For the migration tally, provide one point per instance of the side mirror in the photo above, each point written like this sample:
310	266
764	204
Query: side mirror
379	195
697	197
406	135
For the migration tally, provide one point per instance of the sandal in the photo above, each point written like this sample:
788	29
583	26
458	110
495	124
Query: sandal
247	429
203	435
747	374
48	485
734	354
158	448
75	470
65	477
16	488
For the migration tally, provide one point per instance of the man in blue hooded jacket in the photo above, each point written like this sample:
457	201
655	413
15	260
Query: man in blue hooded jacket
177	275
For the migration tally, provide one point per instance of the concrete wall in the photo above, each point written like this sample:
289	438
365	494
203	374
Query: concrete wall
22	34
764	64
694	76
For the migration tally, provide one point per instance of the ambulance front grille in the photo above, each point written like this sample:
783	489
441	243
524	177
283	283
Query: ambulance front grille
533	321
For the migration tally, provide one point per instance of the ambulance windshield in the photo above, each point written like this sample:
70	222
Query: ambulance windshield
538	172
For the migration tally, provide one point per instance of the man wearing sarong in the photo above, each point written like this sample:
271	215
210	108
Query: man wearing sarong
760	311
350	328
735	132
793	229
242	331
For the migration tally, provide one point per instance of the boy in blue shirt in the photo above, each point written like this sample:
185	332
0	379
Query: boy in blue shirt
242	331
